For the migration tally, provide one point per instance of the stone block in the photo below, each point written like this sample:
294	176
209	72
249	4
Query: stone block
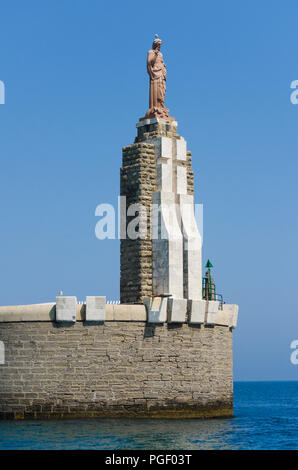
35	312
177	310
197	310
126	312
2	353
163	147
167	247
156	309
146	122
181	180
95	308
192	245
234	321
232	313
164	175
137	312
181	149
212	312
66	308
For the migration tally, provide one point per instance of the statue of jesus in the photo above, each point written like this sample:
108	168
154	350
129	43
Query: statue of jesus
157	72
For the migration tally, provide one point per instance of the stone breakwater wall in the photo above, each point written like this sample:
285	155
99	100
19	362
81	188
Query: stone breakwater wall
121	367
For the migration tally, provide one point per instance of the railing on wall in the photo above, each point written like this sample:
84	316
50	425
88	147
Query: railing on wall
109	302
209	287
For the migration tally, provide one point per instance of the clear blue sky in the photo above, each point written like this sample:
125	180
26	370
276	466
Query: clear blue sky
76	85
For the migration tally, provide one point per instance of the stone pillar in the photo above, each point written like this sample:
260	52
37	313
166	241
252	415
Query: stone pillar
137	184
157	171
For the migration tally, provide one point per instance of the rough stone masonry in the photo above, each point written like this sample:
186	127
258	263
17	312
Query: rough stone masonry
59	364
115	369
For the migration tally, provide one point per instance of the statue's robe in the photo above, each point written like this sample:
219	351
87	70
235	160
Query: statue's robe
158	74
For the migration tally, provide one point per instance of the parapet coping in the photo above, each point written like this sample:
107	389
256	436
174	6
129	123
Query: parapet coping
46	312
146	122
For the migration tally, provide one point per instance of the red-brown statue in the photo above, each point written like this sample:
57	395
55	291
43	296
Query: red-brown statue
157	72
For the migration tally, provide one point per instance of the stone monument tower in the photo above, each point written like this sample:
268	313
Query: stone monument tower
165	260
167	350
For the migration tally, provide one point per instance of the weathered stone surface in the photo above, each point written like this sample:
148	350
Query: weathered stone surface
197	310
181	179
66	308
95	308
181	149
33	312
137	183
156	309
2	353
167	246
123	312
163	147
190	174
212	312
164	180
115	369
231	310
177	310
155	128
192	249
144	171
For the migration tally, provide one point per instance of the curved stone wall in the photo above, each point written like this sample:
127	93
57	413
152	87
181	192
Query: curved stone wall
117	368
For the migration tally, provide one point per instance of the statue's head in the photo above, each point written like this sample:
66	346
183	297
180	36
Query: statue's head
156	43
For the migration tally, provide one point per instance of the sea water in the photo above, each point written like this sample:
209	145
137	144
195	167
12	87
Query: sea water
265	417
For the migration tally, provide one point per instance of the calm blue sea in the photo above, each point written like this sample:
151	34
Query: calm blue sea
266	417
